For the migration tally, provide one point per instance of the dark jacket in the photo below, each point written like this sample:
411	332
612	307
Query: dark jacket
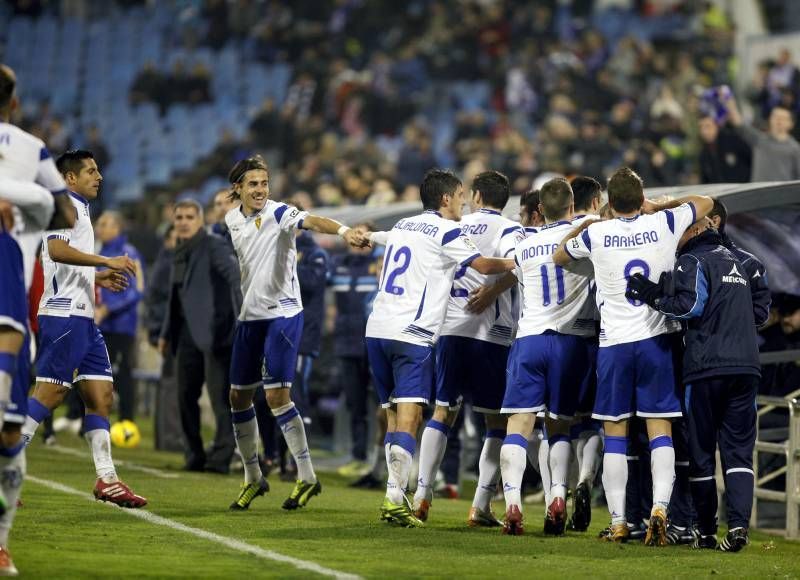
122	306
710	292
757	276
727	160
355	284
312	273
209	299
158	291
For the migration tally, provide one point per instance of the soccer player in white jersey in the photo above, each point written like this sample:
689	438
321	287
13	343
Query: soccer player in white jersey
71	348
549	358
587	442
634	363
270	324
472	352
29	182
422	255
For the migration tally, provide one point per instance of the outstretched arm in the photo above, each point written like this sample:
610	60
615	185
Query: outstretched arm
60	251
325	225
486	265
562	257
702	205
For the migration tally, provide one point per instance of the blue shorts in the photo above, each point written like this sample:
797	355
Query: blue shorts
472	368
636	378
71	349
13	297
588	390
546	371
402	372
17	408
265	352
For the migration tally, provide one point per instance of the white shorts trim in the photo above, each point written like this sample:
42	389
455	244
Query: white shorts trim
486	411
516	410
731	470
696	479
632	457
557	417
284	385
673	415
15	418
612	418
53	381
249	387
682	463
8	321
422	400
108	378
450	407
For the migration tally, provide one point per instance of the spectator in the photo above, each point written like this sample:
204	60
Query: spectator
117	312
725	157
776	154
204	302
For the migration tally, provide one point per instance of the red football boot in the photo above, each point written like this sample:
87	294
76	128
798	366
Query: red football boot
512	525
118	493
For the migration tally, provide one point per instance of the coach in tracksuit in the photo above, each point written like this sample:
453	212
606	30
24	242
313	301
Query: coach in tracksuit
709	290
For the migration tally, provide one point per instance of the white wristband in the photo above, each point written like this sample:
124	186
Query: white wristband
342	230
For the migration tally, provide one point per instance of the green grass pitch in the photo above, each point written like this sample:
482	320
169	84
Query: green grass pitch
57	535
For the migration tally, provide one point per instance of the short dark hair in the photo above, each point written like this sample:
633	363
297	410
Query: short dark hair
585	189
720	210
529	204
72	161
8	82
625	191
494	187
556	197
435	185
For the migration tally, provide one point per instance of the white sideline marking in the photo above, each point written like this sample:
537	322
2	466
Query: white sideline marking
121	463
231	543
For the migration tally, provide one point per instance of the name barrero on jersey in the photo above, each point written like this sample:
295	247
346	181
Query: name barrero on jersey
540	250
412	226
637	239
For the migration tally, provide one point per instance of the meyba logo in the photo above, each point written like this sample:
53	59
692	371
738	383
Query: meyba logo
734	277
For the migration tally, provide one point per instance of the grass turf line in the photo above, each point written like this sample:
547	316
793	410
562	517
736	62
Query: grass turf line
61	536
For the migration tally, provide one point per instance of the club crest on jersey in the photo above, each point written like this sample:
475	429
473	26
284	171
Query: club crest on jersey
258	223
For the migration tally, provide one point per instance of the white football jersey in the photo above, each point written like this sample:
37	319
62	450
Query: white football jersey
554	298
621	247
24	159
265	245
69	290
495	237
422	254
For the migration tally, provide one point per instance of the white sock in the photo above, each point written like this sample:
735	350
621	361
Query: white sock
379	462
592	447
544	470
391	482
12	474
574	470
431	451
513	459
662	466
400	469
488	469
99	440
560	450
615	476
245	431
294	432
29	429
36	414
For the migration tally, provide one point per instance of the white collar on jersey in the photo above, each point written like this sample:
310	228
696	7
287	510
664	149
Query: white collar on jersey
630	219
490	211
79	197
554	224
433	211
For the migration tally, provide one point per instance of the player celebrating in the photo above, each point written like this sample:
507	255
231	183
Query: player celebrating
472	353
422	255
634	363
270	324
72	349
29	181
549	358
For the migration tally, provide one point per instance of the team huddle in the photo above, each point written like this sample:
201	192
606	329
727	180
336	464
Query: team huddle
546	330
